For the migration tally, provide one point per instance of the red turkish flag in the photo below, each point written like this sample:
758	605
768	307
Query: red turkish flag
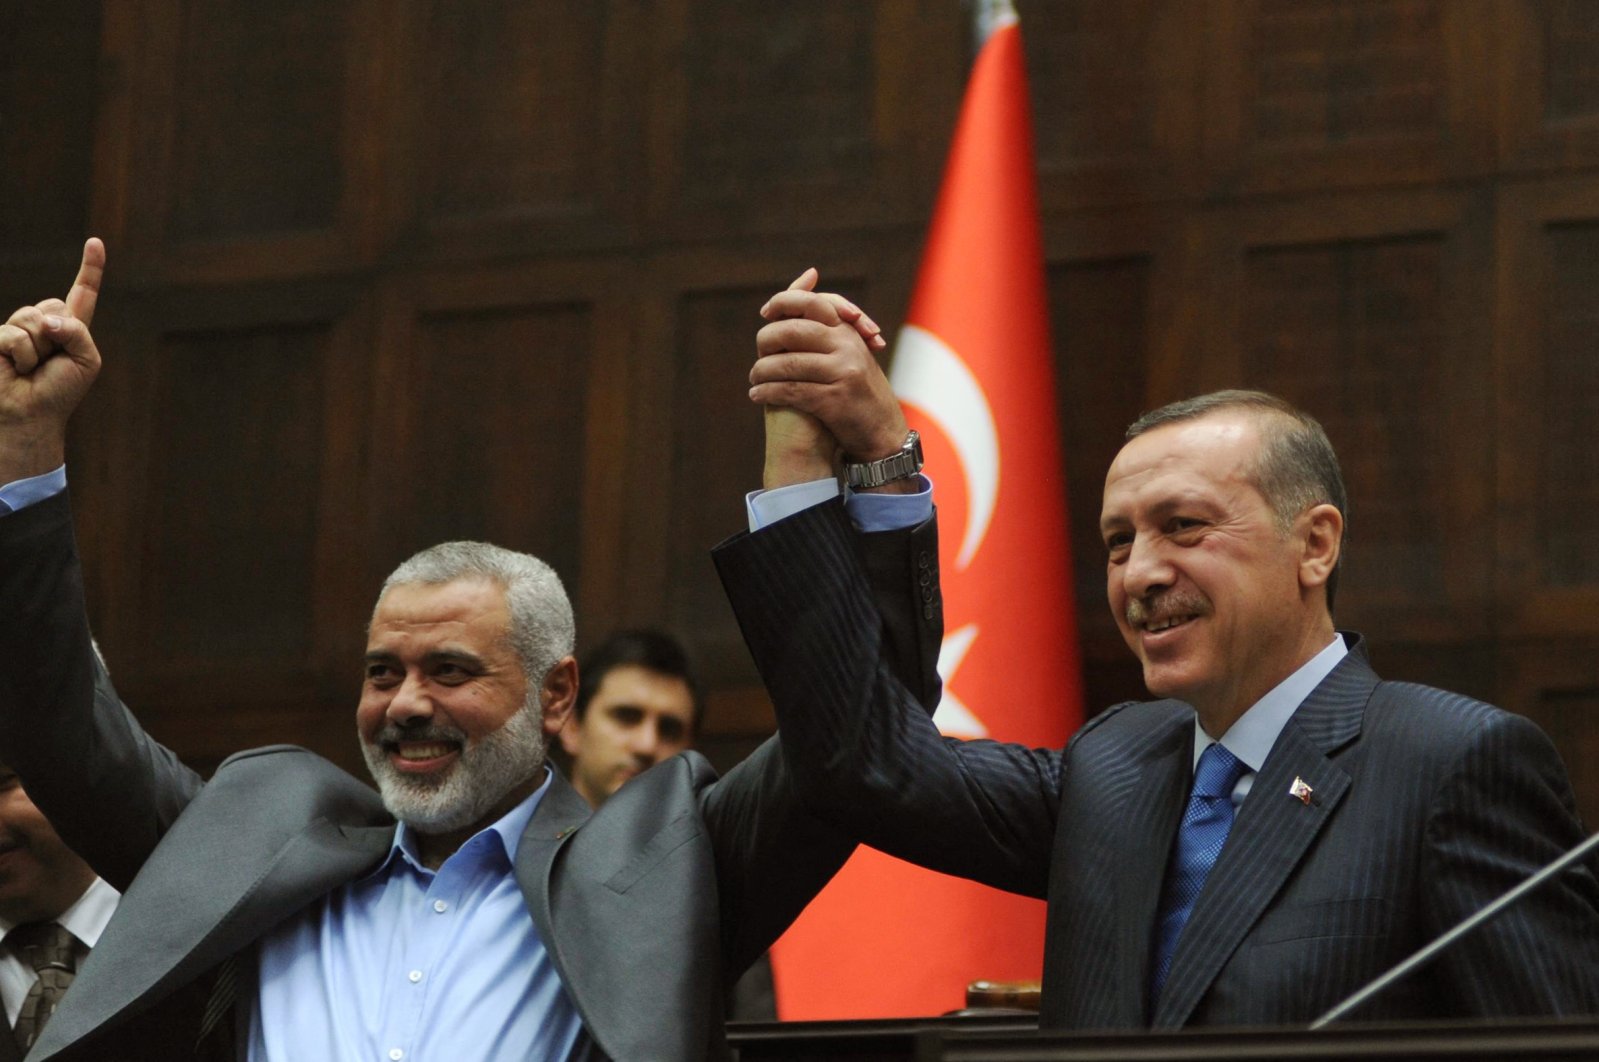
973	368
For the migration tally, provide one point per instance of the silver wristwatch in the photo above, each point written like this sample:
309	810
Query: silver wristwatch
902	464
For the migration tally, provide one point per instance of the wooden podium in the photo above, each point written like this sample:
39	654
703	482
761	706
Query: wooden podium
1017	1040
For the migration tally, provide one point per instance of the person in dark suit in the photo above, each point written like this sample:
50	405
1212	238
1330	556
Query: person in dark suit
53	908
278	911
1274	830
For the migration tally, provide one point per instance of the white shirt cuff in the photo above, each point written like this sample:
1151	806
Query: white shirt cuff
766	507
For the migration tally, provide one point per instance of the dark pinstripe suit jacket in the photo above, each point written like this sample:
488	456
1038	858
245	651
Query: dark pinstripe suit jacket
1426	805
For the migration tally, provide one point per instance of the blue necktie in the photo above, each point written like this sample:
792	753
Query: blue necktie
1204	830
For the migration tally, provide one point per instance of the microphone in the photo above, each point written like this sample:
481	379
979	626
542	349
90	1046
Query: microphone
1431	951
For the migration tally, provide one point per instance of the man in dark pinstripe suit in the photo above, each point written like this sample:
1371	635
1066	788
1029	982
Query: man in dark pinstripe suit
1370	816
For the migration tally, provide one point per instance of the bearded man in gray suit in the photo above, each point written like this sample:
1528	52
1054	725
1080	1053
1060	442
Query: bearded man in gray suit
277	911
1347	820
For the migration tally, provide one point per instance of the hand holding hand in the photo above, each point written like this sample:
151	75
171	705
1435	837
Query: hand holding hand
48	360
814	357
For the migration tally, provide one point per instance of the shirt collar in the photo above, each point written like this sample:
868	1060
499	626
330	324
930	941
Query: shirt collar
1251	737
507	829
87	917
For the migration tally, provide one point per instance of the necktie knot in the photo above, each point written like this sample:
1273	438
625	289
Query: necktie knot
43	946
1217	773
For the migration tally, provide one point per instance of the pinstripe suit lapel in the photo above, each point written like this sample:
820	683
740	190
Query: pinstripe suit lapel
1271	835
1157	780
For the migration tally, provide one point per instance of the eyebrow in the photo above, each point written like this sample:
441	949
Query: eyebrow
1164	508
438	656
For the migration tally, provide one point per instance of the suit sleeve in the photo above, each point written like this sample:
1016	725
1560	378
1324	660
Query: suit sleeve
773	852
827	626
109	789
1505	811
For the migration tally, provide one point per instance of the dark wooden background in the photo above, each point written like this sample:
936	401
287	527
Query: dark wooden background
383	273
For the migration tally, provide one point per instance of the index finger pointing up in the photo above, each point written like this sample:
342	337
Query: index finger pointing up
86	288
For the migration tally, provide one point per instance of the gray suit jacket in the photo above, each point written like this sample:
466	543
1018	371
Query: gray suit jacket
646	906
1426	805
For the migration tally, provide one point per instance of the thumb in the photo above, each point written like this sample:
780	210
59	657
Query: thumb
71	336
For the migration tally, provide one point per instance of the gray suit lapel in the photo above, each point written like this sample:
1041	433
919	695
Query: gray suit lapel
635	891
178	920
1271	834
557	817
1157	784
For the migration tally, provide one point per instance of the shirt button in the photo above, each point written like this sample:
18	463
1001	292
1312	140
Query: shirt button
396	1054
415	976
440	906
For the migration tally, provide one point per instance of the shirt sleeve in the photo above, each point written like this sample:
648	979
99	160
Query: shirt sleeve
21	493
870	512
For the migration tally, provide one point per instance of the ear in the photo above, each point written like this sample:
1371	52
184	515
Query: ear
557	693
1323	529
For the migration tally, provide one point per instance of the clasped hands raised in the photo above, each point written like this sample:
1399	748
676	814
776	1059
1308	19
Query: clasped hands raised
826	397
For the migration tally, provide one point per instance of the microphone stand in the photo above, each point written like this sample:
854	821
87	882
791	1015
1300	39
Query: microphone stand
1427	954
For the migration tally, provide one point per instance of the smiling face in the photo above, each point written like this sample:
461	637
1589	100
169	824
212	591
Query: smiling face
636	718
39	875
447	725
1218	602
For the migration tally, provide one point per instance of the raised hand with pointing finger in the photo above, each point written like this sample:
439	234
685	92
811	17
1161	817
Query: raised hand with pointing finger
48	361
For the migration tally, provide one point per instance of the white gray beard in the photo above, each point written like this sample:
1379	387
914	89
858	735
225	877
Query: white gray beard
484	773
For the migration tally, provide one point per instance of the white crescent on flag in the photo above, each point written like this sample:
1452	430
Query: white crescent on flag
929	375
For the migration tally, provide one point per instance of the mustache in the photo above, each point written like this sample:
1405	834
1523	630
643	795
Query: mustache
1141	611
393	734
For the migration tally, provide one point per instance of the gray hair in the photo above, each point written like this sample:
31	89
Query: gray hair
1296	467
542	630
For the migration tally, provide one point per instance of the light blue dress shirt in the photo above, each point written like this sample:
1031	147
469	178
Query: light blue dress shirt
413	965
406	963
20	493
869	512
1252	734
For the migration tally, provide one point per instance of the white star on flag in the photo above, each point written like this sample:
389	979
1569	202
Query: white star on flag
953	718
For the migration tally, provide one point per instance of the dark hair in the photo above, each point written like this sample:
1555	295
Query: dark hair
1297	466
651	650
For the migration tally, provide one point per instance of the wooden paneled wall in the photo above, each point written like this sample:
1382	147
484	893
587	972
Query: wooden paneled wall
384	272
